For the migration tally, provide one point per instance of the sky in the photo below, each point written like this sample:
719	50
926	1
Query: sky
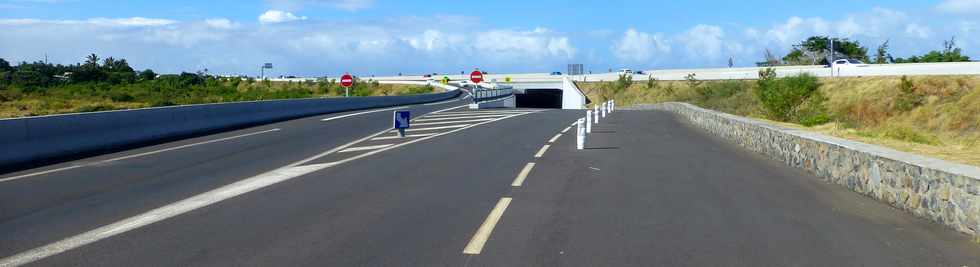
379	37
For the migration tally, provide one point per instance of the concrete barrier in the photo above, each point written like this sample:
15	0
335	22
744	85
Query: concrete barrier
944	192
33	139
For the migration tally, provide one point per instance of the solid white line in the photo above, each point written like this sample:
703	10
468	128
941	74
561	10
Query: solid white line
443	102
523	175
566	129
554	138
541	152
449	122
135	155
458	114
447	109
362	148
406	136
483	233
436	128
204	199
461	117
365	112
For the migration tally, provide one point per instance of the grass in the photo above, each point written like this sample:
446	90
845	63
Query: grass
91	97
938	116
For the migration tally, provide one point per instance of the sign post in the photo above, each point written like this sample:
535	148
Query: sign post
346	81
476	76
401	121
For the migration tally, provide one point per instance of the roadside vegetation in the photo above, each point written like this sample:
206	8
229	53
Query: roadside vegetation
31	89
931	115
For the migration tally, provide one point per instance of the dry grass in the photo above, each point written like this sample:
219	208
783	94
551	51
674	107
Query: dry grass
945	124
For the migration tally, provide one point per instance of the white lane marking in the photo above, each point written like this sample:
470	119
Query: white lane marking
460	117
362	148
447	109
483	233
554	138
204	199
523	175
457	114
134	155
449	122
365	112
437	128
158	214
566	129
541	152
398	137
443	102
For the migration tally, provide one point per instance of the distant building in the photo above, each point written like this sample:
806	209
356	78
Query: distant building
575	69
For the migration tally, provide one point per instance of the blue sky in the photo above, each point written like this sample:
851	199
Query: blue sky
327	37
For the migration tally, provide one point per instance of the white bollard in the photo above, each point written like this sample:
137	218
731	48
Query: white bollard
603	109
588	121
612	105
580	144
596	112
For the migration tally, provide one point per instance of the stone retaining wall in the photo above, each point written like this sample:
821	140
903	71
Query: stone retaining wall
934	189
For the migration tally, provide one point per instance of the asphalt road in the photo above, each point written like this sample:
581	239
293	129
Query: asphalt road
648	191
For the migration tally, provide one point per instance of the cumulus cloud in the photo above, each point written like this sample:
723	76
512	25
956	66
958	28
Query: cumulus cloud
278	16
115	22
636	46
316	47
536	44
960	6
220	23
349	5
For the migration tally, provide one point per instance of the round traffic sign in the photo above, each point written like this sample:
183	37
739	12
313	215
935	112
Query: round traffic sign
346	80
476	76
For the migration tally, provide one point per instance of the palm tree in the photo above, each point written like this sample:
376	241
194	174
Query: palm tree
92	59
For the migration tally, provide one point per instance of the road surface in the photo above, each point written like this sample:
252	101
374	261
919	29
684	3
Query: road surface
459	191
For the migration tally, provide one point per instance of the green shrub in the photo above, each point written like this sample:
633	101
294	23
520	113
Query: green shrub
907	98
651	82
782	96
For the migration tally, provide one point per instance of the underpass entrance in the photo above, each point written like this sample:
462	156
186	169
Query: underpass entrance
540	98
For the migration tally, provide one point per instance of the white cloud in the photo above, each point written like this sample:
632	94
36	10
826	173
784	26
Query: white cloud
704	41
918	31
636	46
349	5
278	16
517	45
117	22
220	23
960	6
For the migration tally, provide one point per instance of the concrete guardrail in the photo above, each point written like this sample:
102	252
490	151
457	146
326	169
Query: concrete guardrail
944	192
33	139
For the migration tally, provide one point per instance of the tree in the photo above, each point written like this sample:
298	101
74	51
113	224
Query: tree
5	66
816	51
770	60
950	53
92	60
147	75
881	54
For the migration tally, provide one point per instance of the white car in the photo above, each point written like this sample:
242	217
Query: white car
847	63
625	72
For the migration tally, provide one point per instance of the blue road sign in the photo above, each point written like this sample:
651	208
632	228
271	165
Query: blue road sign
402	117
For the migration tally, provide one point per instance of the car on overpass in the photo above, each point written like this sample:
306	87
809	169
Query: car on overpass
848	63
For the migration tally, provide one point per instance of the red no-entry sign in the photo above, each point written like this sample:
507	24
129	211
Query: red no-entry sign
346	80
476	76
